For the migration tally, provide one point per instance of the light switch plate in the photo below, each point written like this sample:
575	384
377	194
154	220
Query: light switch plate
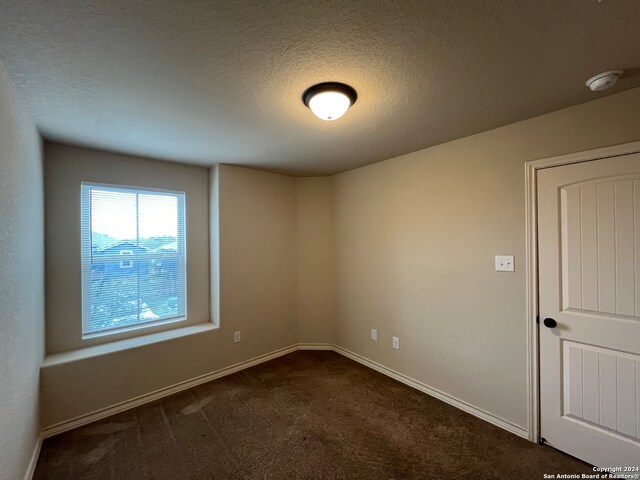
395	342
374	334
505	263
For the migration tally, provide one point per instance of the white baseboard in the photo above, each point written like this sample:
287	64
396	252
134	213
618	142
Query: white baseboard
462	405
163	392
33	461
316	346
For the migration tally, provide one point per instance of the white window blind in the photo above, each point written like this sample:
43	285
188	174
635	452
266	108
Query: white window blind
133	258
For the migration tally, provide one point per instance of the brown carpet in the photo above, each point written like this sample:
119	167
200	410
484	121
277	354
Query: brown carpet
307	415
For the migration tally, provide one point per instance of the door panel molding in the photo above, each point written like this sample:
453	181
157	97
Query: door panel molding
531	264
612	403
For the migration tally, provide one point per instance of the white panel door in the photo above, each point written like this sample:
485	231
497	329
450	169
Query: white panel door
589	274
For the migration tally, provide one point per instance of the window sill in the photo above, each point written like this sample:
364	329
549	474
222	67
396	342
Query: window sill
133	328
119	345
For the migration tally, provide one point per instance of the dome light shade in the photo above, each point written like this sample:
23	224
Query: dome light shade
329	105
329	101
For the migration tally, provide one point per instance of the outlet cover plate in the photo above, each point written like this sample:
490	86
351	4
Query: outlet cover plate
505	263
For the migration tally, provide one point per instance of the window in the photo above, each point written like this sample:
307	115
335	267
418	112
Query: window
149	287
126	263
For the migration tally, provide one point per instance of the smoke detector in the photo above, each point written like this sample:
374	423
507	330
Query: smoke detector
604	80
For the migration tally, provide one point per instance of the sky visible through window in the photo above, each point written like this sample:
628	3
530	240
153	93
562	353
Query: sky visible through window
113	213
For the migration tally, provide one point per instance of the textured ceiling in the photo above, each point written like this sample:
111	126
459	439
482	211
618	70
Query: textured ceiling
220	81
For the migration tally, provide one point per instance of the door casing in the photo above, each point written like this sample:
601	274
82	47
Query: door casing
531	265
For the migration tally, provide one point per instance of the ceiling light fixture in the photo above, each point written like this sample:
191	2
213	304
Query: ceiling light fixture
329	100
604	80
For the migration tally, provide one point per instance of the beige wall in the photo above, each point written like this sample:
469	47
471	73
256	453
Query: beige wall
415	240
257	260
315	262
257	243
65	168
21	283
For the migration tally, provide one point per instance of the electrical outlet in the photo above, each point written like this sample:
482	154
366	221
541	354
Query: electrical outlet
237	337
374	334
505	263
395	341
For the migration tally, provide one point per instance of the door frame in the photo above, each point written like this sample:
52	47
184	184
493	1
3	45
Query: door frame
531	265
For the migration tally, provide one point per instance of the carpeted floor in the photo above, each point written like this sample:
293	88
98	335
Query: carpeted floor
307	415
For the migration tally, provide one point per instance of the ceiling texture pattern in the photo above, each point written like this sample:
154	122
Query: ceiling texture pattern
205	82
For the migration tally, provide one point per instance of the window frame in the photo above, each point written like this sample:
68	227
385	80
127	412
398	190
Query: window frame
86	252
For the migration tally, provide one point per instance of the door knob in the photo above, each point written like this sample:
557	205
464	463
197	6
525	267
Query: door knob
550	323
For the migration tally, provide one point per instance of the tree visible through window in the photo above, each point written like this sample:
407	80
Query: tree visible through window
146	288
